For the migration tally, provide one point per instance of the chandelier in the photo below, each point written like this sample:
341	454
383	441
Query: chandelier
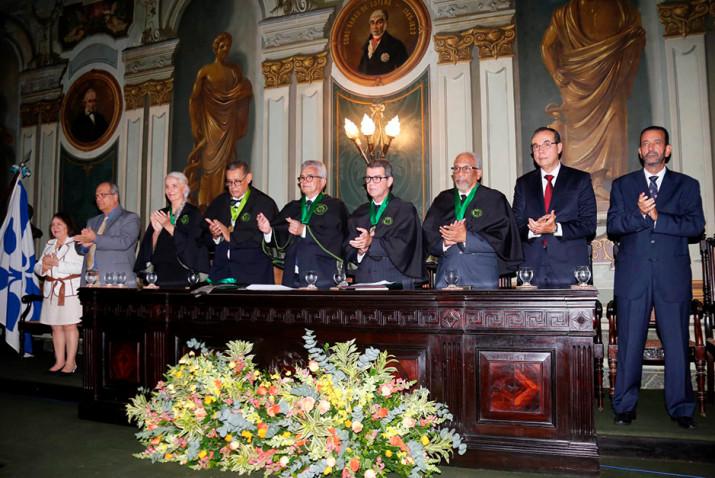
377	139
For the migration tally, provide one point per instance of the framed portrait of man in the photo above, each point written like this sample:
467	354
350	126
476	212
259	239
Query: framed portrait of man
91	110
375	43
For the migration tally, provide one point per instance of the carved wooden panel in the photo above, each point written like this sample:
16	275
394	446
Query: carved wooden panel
515	386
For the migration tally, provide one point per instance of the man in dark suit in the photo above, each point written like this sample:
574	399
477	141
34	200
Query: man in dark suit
385	234
555	209
310	230
89	125
231	227
382	52
653	213
471	229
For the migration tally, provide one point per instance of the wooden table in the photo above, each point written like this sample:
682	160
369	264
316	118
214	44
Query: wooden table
514	366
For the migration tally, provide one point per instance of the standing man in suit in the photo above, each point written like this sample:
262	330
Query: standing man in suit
471	229
385	234
310	230
110	239
653	213
231	227
382	52
555	209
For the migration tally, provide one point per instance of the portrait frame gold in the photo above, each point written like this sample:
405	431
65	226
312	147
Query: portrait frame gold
408	20
109	106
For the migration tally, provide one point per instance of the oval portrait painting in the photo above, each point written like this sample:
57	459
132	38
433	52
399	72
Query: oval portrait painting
374	43
91	110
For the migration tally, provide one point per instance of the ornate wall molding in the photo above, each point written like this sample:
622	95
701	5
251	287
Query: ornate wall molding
159	92
311	67
458	8
685	18
307	68
491	43
280	32
602	250
43	111
42	83
150	62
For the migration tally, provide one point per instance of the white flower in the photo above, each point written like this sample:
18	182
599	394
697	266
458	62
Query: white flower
313	366
330	461
357	427
385	390
408	422
323	406
370	474
284	461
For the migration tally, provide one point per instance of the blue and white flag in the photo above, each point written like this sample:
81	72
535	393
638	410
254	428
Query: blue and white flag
17	261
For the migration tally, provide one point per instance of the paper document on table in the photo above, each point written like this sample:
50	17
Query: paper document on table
381	285
267	287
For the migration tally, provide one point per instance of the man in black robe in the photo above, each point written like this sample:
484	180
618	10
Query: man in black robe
472	230
89	125
310	230
231	228
385	235
382	52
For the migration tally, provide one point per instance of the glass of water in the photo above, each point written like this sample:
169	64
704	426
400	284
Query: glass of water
525	275
109	279
120	278
91	277
451	277
151	278
583	275
340	279
311	277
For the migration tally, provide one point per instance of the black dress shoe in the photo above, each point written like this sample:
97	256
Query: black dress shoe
625	418
685	422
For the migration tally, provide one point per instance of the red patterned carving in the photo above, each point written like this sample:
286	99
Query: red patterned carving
124	362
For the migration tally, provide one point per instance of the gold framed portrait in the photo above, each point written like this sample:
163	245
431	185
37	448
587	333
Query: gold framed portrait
91	110
377	42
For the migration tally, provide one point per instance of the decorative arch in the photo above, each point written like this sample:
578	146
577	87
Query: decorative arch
15	33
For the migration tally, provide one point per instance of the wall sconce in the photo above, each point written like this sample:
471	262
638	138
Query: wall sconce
377	138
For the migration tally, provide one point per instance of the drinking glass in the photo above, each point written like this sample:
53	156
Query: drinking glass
91	277
340	279
311	277
109	278
451	277
525	275
193	279
120	278
583	275
151	278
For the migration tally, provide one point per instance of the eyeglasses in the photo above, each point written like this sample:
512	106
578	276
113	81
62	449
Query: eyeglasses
374	179
235	182
308	179
102	195
462	169
545	145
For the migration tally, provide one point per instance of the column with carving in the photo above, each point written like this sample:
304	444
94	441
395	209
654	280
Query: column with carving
295	58
148	91
41	101
687	84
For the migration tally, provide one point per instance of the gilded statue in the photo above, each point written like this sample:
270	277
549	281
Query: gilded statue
219	117
592	49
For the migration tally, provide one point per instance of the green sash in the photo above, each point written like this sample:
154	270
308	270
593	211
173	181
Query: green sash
460	207
305	212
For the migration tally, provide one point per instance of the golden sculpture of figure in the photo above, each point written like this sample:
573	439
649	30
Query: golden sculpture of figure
592	49
219	117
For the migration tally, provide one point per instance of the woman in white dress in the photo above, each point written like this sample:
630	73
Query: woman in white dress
61	268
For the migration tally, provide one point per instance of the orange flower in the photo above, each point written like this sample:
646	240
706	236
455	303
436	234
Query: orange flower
262	390
354	464
397	441
273	410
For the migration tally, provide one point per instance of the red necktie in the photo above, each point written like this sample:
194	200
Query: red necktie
548	193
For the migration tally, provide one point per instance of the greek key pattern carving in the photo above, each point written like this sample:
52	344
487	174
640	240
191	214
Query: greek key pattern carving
159	92
307	68
490	42
685	18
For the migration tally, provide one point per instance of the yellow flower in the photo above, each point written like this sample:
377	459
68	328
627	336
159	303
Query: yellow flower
208	400
229	437
247	435
168	456
202	453
286	434
388	453
348	423
425	440
327	471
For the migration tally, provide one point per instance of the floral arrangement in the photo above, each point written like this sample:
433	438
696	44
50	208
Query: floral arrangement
345	414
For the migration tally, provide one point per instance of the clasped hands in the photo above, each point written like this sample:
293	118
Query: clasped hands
295	227
546	224
647	206
454	233
49	261
161	220
86	237
363	241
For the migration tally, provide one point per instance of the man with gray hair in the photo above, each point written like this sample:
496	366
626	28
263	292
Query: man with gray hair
110	239
310	230
471	230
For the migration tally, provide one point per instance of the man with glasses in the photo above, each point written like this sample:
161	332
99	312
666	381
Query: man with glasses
231	227
110	239
471	230
555	209
385	234
310	230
